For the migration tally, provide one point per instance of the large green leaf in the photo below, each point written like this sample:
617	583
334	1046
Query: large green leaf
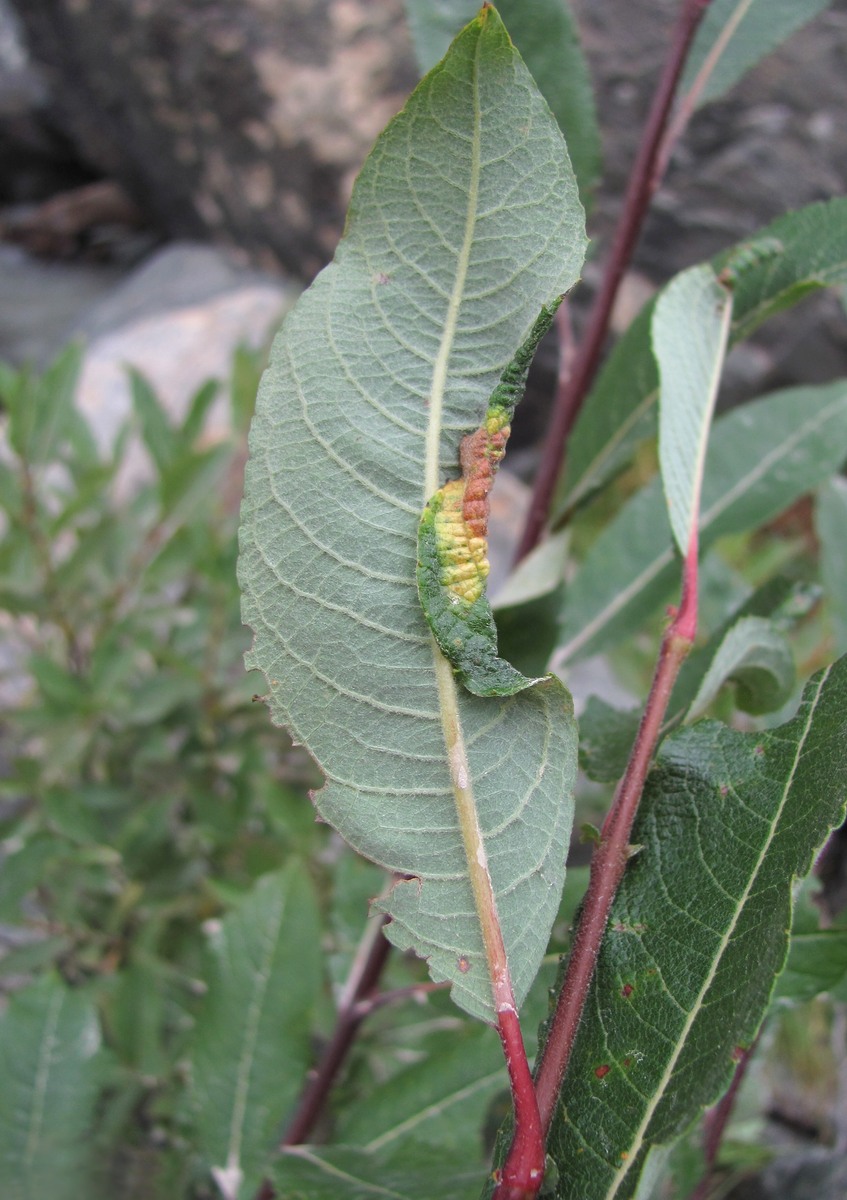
754	29
51	1066
697	933
251	1045
547	38
760	459
463	223
620	410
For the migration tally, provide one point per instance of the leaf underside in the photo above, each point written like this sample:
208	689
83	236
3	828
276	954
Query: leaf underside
727	822
463	223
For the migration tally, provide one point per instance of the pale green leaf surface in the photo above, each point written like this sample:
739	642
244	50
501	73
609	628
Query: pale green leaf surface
697	933
547	39
760	459
463	223
689	334
831	525
536	575
756	655
756	28
51	1067
349	1173
251	1044
620	410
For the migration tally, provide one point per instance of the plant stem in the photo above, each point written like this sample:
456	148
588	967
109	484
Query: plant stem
364	975
644	179
612	853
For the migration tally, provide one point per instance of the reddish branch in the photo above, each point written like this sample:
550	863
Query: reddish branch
612	852
646	176
360	985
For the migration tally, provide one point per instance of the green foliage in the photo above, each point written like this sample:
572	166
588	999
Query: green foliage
250	1046
727	822
180	929
53	1071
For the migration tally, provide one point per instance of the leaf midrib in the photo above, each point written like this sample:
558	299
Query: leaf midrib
42	1075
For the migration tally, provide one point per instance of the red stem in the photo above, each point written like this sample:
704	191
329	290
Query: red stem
610	857
362	981
523	1173
643	182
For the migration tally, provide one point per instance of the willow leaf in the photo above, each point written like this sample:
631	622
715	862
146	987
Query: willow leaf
736	34
53	1071
547	37
760	459
463	224
697	934
620	410
689	331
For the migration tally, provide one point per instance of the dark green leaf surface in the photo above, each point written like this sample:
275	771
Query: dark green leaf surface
251	1045
697	933
757	28
547	39
760	459
621	409
463	224
756	656
51	1068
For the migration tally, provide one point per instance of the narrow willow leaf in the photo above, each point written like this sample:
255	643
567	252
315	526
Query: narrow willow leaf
756	656
697	934
251	1044
760	459
620	410
689	333
440	1101
547	38
41	412
736	34
780	604
453	562
412	1173
831	525
52	1070
463	223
